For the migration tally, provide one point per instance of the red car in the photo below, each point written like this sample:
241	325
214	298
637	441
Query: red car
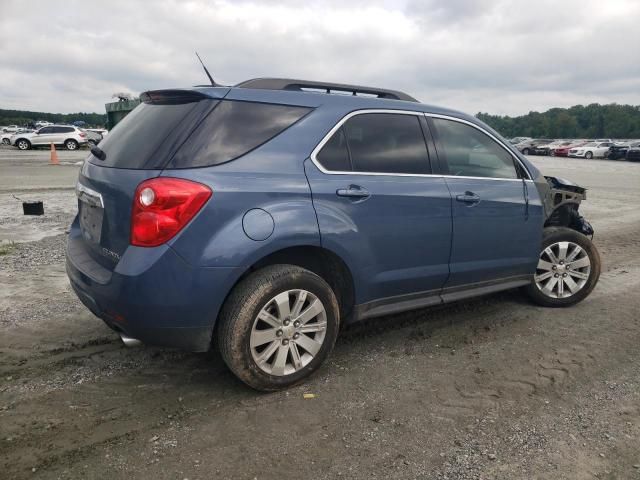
564	150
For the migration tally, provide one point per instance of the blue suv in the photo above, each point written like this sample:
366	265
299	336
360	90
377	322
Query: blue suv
263	217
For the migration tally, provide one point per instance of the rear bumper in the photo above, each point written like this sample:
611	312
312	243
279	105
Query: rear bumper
152	295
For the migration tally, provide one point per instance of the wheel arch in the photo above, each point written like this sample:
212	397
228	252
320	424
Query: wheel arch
323	262
566	215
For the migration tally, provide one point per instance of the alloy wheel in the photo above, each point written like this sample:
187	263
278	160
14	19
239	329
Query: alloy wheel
563	270
288	332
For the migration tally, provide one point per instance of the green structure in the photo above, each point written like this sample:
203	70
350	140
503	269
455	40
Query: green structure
116	111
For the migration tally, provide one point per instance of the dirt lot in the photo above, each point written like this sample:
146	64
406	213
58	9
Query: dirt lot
490	388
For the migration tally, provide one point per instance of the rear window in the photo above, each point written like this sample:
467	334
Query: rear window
133	142
233	129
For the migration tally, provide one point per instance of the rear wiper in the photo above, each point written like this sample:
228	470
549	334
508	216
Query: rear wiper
98	153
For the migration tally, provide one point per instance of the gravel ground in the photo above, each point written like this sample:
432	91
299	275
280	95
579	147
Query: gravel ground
493	388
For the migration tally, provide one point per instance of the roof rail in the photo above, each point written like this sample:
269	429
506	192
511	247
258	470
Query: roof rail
300	85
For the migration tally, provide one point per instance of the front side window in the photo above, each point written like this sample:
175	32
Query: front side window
468	152
377	143
45	130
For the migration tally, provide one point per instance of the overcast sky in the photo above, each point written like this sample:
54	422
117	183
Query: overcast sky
497	56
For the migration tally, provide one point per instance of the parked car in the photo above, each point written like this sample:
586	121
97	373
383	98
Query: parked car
93	137
529	147
633	154
618	151
5	138
71	137
548	149
591	150
517	140
262	217
563	151
10	129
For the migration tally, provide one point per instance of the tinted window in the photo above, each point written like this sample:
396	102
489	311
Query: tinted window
62	129
233	129
471	153
335	155
134	140
387	143
45	130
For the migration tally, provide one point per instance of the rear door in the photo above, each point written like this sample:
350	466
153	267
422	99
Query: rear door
496	236
381	209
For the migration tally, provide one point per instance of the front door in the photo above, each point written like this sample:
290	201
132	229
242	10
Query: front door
45	136
497	219
381	210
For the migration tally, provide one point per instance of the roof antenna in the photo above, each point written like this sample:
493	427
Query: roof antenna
213	83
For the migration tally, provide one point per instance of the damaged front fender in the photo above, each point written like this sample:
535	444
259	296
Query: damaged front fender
561	200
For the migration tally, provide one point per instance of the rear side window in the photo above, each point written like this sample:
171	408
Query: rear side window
134	140
468	152
378	143
233	129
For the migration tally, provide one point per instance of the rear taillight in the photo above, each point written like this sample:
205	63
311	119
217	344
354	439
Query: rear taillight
83	134
162	207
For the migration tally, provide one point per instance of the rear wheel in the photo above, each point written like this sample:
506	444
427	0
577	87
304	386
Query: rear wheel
567	271
588	155
23	144
71	144
6	141
525	151
278	326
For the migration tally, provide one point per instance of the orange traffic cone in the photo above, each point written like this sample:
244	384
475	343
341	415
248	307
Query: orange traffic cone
54	156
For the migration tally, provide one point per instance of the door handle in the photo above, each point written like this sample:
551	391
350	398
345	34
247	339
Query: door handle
469	198
353	191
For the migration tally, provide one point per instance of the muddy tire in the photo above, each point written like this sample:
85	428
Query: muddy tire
278	326
568	269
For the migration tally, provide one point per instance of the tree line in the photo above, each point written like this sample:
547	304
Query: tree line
591	121
24	118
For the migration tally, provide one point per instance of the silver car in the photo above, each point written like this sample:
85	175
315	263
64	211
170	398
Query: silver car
69	136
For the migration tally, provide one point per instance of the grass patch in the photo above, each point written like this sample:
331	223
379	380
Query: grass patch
7	248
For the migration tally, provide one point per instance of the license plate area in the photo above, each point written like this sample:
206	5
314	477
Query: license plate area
91	213
90	221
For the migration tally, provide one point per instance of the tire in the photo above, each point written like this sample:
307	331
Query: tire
588	155
71	144
23	144
583	278
254	299
525	151
6	141
552	153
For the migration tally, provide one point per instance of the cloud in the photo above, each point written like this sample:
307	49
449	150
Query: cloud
499	56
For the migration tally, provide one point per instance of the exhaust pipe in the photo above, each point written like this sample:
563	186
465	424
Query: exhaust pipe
130	342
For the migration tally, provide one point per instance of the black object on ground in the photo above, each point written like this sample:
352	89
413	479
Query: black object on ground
33	208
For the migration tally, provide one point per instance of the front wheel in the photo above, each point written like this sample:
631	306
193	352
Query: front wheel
23	144
567	271
278	326
588	155
525	151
